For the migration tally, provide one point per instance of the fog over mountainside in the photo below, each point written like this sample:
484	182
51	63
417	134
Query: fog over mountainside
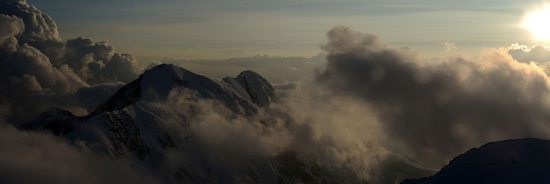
74	110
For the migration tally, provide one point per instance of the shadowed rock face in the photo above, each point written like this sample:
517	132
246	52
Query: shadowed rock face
511	161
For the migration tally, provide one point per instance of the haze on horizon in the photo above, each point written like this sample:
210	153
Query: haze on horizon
212	29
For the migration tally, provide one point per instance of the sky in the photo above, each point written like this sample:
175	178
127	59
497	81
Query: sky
215	29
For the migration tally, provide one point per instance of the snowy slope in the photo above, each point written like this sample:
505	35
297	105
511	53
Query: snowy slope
158	82
504	162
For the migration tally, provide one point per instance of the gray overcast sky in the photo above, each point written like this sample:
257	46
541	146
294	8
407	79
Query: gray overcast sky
210	29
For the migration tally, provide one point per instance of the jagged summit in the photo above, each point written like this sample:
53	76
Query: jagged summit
504	162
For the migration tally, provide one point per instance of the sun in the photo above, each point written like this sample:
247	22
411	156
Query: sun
538	23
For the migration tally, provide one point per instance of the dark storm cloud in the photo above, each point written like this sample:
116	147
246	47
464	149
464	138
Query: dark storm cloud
438	108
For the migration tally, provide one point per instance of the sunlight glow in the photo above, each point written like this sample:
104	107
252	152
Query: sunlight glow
538	23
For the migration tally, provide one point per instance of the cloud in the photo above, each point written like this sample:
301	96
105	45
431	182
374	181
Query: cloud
432	110
336	132
11	26
121	67
26	71
218	129
336	135
38	26
38	66
97	62
538	54
449	46
42	158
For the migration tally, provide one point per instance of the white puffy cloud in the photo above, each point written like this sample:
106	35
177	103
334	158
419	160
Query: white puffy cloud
522	53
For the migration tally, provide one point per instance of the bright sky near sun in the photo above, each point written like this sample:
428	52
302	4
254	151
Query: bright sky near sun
537	21
213	29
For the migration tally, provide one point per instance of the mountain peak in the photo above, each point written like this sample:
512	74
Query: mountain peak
247	89
261	92
248	73
510	161
166	67
164	77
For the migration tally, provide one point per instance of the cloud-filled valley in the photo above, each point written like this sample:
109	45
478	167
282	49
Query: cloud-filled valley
362	111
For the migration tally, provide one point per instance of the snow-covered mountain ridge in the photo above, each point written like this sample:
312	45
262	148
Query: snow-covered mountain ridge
126	126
